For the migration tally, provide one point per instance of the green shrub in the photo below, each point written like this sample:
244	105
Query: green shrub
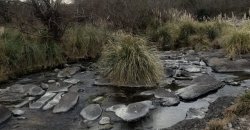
187	29
127	60
243	107
85	41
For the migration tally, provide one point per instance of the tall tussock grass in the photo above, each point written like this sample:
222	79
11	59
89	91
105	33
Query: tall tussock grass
85	41
128	60
21	54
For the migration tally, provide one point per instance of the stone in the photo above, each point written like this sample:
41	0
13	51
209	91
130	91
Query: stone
40	102
51	81
104	121
196	113
91	112
26	101
53	102
17	112
226	65
98	99
167	98
106	127
71	81
199	86
22	118
35	91
67	102
5	114
59	87
44	85
133	111
68	72
169	72
193	69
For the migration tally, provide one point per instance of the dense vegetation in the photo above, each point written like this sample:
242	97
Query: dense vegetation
44	34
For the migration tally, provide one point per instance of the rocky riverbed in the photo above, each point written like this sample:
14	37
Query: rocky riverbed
197	87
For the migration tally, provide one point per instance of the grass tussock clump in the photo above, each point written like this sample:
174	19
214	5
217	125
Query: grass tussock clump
85	41
20	54
240	108
128	60
237	42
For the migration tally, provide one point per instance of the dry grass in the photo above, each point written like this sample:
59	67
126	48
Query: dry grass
128	60
85	41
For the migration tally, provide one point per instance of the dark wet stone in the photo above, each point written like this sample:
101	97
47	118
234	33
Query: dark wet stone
5	114
200	86
40	102
133	111
169	72
91	112
68	72
67	102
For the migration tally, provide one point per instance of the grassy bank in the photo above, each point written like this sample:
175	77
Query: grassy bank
21	53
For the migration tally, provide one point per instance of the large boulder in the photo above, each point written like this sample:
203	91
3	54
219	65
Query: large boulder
133	111
200	86
5	114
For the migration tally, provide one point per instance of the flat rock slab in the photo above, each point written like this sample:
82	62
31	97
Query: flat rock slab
67	102
35	91
53	102
200	86
226	65
40	102
133	111
5	114
91	112
68	72
196	113
167	97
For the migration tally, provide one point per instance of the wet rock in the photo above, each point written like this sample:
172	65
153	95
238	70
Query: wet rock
227	65
104	120
67	102
26	101
133	111
91	112
22	118
193	69
71	81
35	91
169	72
196	113
167	97
44	85
200	86
5	114
53	102
106	127
68	72
40	102
59	87
51	81
98	99
17	112
182	73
